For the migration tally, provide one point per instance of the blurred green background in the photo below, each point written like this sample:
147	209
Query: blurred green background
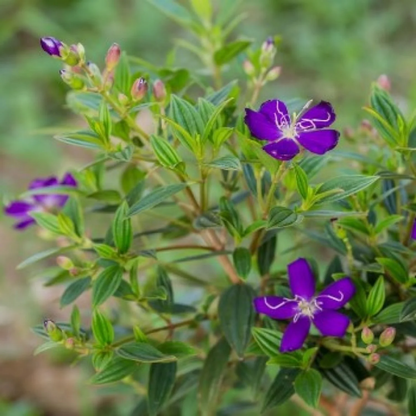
330	50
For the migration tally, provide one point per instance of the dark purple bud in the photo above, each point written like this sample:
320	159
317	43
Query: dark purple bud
268	45
51	46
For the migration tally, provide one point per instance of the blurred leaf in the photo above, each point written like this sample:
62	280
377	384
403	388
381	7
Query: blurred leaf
74	290
394	268
393	366
290	360
143	353
155	198
280	217
411	400
115	370
266	254
268	340
177	348
230	51
242	261
47	221
251	372
226	163
392	314
122	78
44	255
86	139
106	284
408	311
301	181
376	297
211	376
236	315
281	389
160	385
219	96
387	223
308	386
122	229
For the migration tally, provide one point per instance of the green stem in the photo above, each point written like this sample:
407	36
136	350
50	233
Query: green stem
275	181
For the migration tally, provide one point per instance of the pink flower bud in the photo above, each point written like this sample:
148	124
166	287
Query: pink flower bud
139	89
112	57
273	73
74	271
159	90
268	45
387	337
383	81
123	99
374	358
249	68
64	262
367	335
371	348
69	343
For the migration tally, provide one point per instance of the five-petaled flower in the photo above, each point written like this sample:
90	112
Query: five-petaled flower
21	210
306	308
285	135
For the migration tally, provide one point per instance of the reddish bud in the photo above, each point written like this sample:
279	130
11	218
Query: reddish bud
112	57
249	68
367	335
374	358
387	337
273	73
371	348
123	99
139	89
383	81
64	262
159	90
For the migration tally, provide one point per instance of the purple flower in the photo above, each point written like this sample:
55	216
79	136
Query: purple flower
285	135
51	46
306	308
413	234
21	210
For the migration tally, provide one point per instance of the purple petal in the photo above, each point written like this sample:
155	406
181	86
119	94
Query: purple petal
18	208
43	182
276	112
260	126
276	307
68	180
24	224
283	149
301	280
337	294
413	235
51	46
331	323
318	117
319	141
295	334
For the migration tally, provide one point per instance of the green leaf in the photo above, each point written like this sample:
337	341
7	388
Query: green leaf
229	51
165	152
242	261
408	311
268	340
155	198
122	78
393	366
43	255
101	328
74	290
122	230
115	370
46	347
390	315
354	224
131	178
47	221
281	389
143	353
219	96
308	386
342	377
236	315
87	139
387	223
301	181
106	284
105	120
160	385
173	10
164	284
213	122
394	268
105	251
376	297
66	226
186	116
266	254
280	217
100	359
293	360
76	320
226	163
411	400
211	376
177	348
73	210
346	186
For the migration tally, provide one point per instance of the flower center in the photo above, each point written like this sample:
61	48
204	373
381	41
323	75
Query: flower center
308	308
289	131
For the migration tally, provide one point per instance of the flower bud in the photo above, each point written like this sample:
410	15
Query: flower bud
139	89
74	271
273	73
94	72
64	262
112	57
268	50
249	68
109	80
348	133
159	90
123	99
69	343
367	335
374	358
268	45
54	332
387	337
371	348
52	46
383	81
71	79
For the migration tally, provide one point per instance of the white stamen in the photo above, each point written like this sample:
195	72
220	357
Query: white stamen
279	305
340	299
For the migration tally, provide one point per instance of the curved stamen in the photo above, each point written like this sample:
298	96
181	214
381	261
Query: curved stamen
283	117
279	305
340	299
